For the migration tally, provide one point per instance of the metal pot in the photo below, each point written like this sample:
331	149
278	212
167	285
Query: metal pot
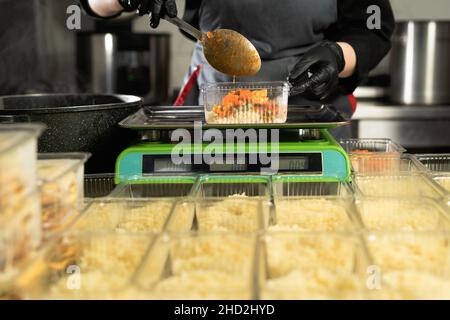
77	123
420	64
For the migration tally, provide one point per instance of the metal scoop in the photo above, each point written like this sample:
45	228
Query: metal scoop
226	50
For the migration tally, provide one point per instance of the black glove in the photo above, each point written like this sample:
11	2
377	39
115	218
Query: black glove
316	75
158	9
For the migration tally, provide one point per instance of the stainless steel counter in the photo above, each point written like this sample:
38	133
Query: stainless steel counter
414	127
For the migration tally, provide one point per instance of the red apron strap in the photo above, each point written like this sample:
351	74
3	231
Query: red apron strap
353	102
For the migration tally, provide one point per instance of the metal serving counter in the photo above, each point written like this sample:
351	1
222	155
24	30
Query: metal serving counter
415	127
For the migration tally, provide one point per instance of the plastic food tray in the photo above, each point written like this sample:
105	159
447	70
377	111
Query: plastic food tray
86	266
402	214
61	180
312	266
385	164
125	215
399	185
435	162
199	266
211	186
246	102
18	171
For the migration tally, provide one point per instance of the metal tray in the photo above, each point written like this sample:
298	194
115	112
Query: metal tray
168	118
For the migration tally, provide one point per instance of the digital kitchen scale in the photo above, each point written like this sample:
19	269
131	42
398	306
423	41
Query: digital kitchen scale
305	149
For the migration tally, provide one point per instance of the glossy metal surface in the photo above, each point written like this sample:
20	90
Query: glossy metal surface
420	64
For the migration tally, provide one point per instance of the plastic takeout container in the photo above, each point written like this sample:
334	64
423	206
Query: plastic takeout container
246	102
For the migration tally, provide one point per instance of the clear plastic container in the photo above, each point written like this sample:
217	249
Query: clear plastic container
157	187
290	187
61	179
400	185
385	164
86	266
132	215
435	162
20	237
402	214
411	265
18	171
384	150
200	266
311	266
369	147
246	102
312	206
232	214
227	185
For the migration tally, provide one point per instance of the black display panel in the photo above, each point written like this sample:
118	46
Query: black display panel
288	162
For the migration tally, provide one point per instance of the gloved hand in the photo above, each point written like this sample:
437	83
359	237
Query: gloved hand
158	8
316	75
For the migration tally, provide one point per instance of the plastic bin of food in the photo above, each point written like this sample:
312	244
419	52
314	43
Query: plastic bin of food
411	265
18	169
156	186
232	214
61	180
378	164
200	266
402	214
20	237
313	205
246	102
122	215
86	266
290	186
435	162
311	266
400	185
212	186
384	150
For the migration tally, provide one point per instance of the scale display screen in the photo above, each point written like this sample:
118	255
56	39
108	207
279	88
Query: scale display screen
292	162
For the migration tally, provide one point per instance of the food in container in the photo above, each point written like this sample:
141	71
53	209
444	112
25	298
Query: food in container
311	266
200	266
403	214
313	214
422	252
61	180
236	213
18	147
412	285
20	236
122	215
372	155
399	185
412	265
246	103
86	266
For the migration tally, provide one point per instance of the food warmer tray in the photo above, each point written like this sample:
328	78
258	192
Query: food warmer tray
169	117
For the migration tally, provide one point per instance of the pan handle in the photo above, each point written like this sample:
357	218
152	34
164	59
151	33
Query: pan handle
14	118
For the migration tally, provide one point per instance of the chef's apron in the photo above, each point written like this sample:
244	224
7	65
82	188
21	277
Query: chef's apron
281	31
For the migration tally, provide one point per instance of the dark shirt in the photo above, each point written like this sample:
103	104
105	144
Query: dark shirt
370	45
